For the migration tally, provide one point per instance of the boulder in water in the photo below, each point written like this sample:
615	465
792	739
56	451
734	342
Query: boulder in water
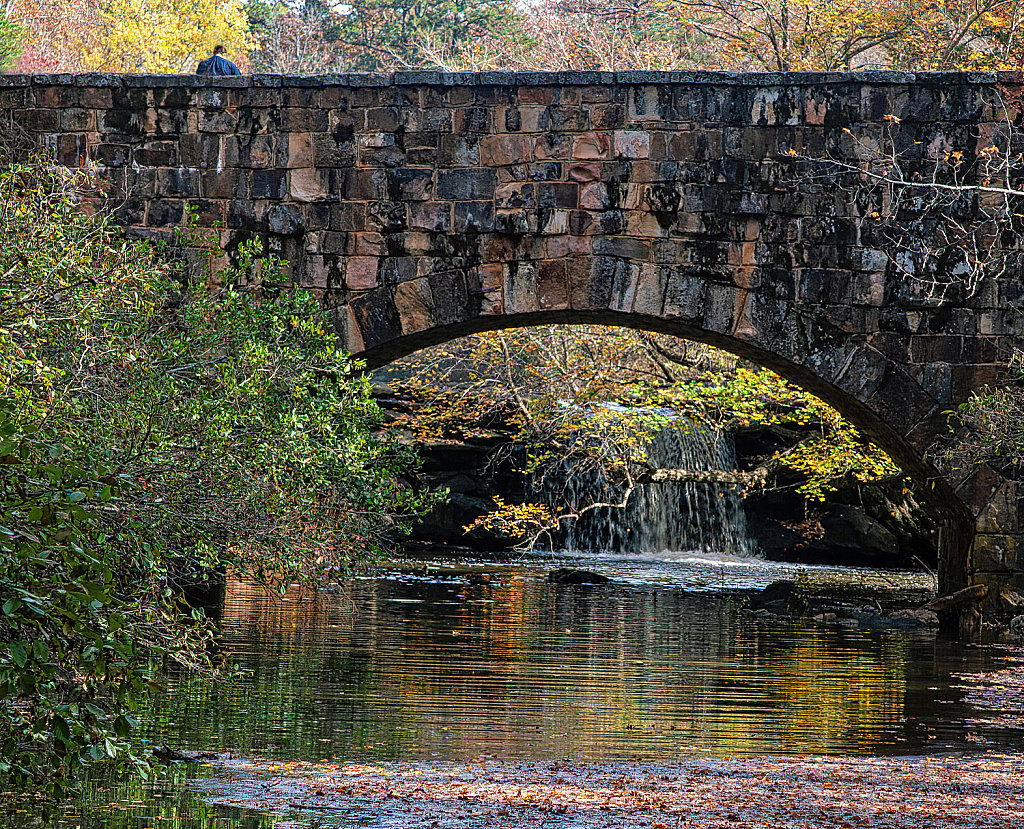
919	618
567	575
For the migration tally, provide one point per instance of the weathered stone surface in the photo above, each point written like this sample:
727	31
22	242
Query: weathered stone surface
671	201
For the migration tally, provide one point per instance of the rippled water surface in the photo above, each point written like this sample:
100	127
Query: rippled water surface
473	658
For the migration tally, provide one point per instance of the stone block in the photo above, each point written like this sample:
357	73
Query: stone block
397	269
223	185
565	246
414	303
649	290
552	222
164	212
348	215
217	120
517	222
553	146
308	185
474	119
608	116
473	217
685	296
71	150
434	216
632	144
410	184
336	148
503	150
466	184
515	195
1001	513
38	120
178	181
520	287
623	247
552	285
585	172
623	287
361	273
938	348
300	150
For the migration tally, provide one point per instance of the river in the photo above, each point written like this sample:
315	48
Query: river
473	658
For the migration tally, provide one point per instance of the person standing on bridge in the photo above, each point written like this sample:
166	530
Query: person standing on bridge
217	64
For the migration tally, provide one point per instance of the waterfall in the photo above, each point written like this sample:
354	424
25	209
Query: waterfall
660	518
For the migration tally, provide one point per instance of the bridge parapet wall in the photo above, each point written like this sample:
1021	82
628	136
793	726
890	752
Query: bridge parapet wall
423	205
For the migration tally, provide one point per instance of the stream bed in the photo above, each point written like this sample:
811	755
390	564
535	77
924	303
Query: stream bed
441	666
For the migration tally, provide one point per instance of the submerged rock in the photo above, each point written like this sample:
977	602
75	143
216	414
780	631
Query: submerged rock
566	575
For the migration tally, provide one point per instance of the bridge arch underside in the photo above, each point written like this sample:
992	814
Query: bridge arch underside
892	403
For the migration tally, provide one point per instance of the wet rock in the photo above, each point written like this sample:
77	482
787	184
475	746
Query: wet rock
913	619
781	597
774	592
566	575
166	754
1017	627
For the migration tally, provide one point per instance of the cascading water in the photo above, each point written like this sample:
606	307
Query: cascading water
659	518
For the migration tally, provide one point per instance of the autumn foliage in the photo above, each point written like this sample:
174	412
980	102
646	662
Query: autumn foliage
314	37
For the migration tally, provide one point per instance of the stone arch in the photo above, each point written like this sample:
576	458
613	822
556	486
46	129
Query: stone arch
871	390
424	205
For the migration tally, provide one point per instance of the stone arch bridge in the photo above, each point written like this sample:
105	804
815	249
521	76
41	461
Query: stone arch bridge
423	206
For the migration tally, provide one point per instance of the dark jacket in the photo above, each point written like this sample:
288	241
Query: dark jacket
217	65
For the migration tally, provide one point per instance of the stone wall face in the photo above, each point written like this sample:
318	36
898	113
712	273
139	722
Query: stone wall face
423	206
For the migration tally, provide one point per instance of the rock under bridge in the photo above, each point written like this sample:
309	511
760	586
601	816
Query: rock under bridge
722	208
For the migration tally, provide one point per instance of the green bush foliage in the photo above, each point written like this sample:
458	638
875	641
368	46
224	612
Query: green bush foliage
11	42
146	428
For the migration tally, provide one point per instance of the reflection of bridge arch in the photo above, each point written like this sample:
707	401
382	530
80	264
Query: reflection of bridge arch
423	206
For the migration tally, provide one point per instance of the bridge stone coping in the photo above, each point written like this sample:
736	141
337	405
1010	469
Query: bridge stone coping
426	205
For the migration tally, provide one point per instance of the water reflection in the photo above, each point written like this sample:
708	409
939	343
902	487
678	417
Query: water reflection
465	659
453	660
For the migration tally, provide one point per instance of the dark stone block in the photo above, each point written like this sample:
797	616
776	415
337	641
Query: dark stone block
418	77
268	184
130	212
371	79
242	216
496	78
473	217
284	220
38	120
62	79
583	78
623	247
178	181
165	212
633	76
466	184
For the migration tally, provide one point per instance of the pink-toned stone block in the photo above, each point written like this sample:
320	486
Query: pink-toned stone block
361	273
592	145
